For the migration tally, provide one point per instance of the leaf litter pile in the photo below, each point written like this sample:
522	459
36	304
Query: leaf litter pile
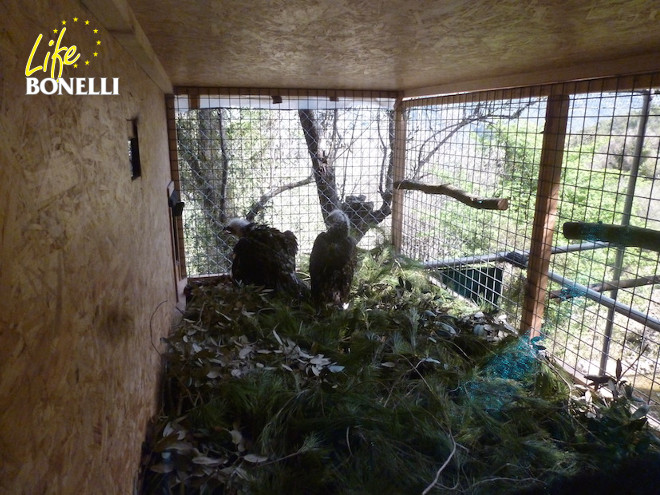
401	393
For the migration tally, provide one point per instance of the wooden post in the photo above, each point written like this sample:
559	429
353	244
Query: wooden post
545	214
180	273
398	173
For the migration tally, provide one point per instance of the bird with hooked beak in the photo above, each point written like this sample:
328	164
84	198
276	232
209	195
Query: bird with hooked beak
265	256
332	262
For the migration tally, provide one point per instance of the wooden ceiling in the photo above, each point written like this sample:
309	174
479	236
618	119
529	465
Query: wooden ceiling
417	47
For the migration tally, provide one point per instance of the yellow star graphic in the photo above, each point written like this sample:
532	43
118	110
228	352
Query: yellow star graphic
95	54
55	30
63	23
86	22
96	31
75	19
75	66
98	42
86	62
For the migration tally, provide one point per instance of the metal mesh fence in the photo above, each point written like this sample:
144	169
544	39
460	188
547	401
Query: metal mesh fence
489	149
602	306
281	159
610	176
287	159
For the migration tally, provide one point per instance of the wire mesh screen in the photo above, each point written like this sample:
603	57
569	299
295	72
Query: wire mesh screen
487	149
281	159
607	308
288	159
602	305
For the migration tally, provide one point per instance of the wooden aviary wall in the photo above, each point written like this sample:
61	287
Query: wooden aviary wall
87	286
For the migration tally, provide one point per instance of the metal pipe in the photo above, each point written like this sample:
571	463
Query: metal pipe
583	246
608	302
580	289
512	256
625	221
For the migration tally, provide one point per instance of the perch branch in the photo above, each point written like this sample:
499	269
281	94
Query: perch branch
257	206
454	192
605	286
622	235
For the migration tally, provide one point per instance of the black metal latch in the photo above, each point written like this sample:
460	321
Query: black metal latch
175	203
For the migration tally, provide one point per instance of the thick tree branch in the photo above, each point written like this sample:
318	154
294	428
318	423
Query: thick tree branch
456	193
360	212
259	205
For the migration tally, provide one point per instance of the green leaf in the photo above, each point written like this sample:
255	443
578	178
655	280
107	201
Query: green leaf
255	459
163	468
207	461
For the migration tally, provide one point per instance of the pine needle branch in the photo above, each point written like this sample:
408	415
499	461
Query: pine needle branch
442	468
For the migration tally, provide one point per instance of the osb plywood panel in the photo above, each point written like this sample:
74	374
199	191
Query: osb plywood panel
85	260
398	44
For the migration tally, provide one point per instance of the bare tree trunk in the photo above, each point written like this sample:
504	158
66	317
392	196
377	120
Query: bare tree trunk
360	212
324	172
224	165
200	171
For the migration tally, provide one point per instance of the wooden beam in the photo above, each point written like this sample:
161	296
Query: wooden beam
339	94
620	83
545	215
118	19
633	66
180	251
398	173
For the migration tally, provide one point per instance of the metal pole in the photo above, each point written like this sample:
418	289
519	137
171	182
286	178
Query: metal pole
512	256
608	302
625	221
398	173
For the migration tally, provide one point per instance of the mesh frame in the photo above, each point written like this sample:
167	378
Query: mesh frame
246	154
468	144
599	184
488	144
601	141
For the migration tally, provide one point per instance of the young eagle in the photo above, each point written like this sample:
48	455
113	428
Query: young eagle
332	262
266	257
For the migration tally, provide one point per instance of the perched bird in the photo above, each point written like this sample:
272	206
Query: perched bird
266	257
332	262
